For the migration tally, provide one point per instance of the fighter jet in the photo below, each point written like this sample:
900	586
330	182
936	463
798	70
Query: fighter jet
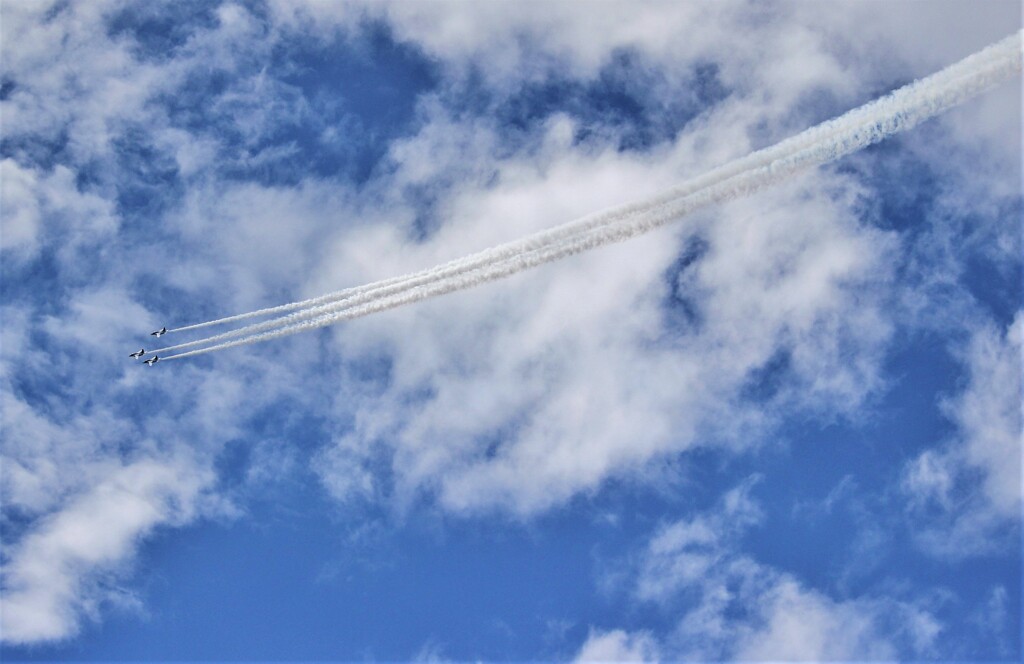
137	354
160	332
151	361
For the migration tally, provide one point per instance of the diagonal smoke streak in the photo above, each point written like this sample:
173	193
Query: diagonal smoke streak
349	297
868	124
282	308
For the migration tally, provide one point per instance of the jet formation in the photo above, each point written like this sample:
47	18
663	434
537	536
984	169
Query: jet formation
897	111
142	351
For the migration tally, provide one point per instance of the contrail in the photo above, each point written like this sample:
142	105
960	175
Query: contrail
291	306
900	110
344	299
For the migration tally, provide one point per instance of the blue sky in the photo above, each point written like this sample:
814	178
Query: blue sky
785	428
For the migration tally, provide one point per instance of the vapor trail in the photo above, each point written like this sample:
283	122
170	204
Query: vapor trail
291	306
351	297
900	110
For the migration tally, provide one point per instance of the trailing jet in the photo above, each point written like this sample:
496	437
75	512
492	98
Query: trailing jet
160	332
137	354
151	361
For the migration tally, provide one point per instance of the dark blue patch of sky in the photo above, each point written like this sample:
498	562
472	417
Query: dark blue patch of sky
628	99
157	31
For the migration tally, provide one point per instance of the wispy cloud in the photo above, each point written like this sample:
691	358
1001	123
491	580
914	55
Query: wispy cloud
745	609
968	492
618	646
57	572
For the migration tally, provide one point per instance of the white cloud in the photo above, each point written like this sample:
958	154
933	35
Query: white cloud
36	204
682	553
260	241
57	53
743	609
55	573
989	414
618	646
782	51
87	481
95	317
974	482
431	651
801	625
21	215
573	364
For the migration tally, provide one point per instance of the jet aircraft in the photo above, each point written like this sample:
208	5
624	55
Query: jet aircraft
137	354
160	332
151	361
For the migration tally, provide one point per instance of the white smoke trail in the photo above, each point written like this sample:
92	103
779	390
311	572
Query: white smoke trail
291	306
897	111
351	297
570	229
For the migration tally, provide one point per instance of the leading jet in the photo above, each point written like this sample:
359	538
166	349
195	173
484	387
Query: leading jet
137	354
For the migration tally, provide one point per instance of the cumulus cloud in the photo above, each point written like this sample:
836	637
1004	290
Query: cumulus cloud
577	390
